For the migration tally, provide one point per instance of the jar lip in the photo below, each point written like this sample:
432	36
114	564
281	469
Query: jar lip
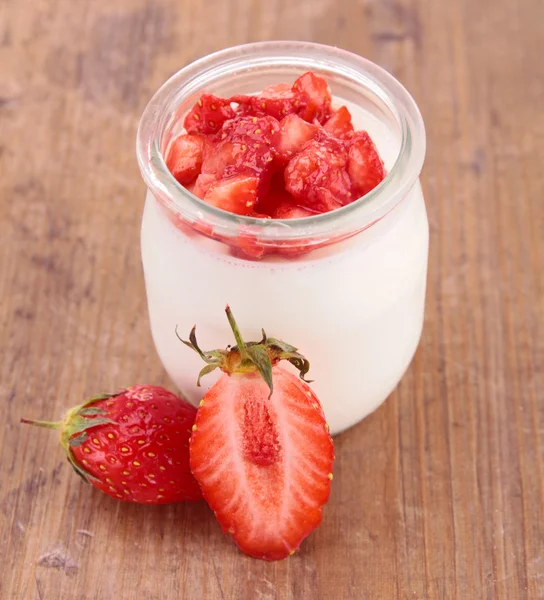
306	56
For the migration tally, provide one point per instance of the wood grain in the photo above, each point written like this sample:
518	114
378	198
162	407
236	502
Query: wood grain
437	495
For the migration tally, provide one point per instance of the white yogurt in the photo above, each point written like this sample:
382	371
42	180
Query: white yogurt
355	309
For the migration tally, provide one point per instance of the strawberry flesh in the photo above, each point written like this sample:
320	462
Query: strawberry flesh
290	210
208	115
202	184
316	96
264	464
185	157
275	100
245	146
317	177
293	133
339	124
236	194
365	167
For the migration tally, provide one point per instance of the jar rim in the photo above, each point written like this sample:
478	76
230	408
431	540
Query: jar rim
307	56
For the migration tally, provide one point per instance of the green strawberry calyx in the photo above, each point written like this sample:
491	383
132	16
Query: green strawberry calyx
248	357
74	427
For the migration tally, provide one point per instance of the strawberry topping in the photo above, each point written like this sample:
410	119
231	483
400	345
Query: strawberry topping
317	177
365	167
287	136
236	194
208	115
185	157
293	133
339	124
275	100
316	95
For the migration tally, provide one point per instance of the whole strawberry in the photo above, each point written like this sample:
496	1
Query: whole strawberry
261	449
133	445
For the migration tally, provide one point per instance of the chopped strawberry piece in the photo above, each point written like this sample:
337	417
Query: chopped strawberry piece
317	176
208	115
290	210
247	245
293	133
274	196
185	157
316	95
243	128
202	184
275	100
340	125
365	167
236	194
244	145
218	157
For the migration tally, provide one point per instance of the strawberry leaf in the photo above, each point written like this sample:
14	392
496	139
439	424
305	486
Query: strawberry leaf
283	346
298	361
259	357
97	398
88	412
205	370
214	357
78	439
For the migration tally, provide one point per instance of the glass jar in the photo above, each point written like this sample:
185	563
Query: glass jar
346	287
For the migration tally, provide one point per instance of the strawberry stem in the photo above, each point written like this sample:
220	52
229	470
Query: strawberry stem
237	335
44	424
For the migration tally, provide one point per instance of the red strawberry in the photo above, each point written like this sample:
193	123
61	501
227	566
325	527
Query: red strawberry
218	157
274	100
247	244
243	146
293	133
289	210
316	95
132	445
317	177
208	115
248	140
261	449
202	184
185	157
339	124
236	194
365	167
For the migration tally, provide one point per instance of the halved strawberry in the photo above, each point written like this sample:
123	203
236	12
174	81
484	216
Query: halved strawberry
261	449
185	157
315	93
208	115
236	194
293	133
339	124
317	176
365	167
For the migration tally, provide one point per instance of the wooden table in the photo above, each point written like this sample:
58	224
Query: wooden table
439	494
